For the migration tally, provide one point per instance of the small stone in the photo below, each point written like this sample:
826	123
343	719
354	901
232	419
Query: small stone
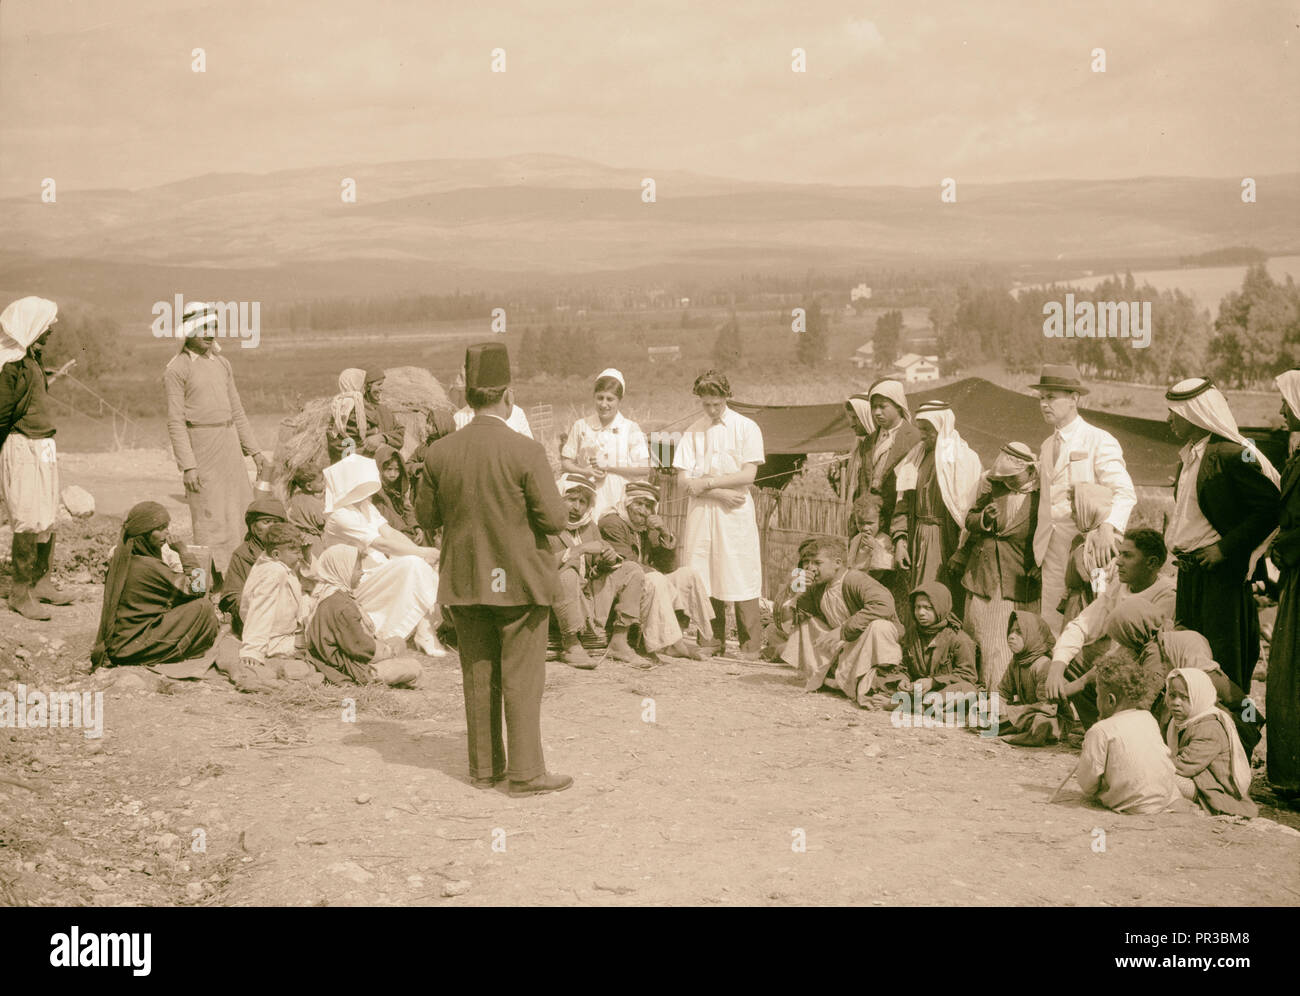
363	798
79	502
21	654
96	883
194	890
456	887
57	645
185	781
167	841
352	871
871	750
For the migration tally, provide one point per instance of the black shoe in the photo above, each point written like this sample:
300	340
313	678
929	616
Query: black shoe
542	785
487	783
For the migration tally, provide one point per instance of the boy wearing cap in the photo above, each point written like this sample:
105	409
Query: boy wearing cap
490	490
1075	453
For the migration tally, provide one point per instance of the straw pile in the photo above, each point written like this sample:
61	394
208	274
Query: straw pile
411	393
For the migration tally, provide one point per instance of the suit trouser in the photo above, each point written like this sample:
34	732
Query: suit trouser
503	662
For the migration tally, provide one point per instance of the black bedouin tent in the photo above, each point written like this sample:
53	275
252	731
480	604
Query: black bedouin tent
988	416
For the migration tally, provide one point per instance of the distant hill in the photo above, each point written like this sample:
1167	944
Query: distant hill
437	225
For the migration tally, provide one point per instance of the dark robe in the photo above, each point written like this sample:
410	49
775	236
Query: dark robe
1282	691
882	483
932	533
379	418
159	617
340	642
1242	505
232	582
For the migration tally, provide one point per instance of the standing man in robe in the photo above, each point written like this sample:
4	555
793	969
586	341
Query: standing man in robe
1075	453
937	485
1282	689
491	492
1226	509
210	435
29	472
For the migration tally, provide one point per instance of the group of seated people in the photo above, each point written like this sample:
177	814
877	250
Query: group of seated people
1161	724
338	584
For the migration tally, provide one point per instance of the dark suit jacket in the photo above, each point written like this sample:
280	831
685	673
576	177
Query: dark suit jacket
1001	560
491	492
1286	548
1239	501
907	436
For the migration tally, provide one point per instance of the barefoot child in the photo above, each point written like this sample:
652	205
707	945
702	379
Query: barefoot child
1210	763
340	637
1124	762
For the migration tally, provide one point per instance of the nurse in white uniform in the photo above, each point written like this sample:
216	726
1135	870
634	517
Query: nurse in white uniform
720	454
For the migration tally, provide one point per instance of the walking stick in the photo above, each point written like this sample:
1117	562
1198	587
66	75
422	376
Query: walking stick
1074	714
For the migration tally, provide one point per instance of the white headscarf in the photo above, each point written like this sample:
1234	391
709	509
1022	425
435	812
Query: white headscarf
861	406
1209	410
351	397
892	390
956	465
333	573
1204	701
354	478
23	322
1289	384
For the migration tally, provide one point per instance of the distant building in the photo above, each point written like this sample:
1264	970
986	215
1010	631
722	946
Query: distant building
664	354
685	302
865	355
861	291
917	369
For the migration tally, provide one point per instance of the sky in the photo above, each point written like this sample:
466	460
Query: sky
101	93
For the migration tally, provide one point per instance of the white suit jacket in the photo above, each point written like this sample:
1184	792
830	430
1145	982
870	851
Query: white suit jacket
1101	461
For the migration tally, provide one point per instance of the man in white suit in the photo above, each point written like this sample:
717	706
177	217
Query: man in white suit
1075	453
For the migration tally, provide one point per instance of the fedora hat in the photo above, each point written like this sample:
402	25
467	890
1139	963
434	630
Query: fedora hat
1059	378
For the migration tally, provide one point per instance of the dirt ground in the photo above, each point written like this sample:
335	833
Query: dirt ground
696	783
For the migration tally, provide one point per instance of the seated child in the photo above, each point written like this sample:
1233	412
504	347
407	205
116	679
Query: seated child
258	518
394	497
846	630
1124	762
869	549
340	638
306	508
1211	767
272	607
939	655
1027	716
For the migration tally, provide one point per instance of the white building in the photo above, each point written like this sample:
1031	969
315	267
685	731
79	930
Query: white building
864	355
917	369
861	291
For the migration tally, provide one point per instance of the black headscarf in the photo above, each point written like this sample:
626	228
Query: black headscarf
142	520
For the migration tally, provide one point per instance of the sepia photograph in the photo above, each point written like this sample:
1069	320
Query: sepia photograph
573	454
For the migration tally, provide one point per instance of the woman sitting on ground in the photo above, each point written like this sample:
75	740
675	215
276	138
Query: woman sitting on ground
340	637
151	613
